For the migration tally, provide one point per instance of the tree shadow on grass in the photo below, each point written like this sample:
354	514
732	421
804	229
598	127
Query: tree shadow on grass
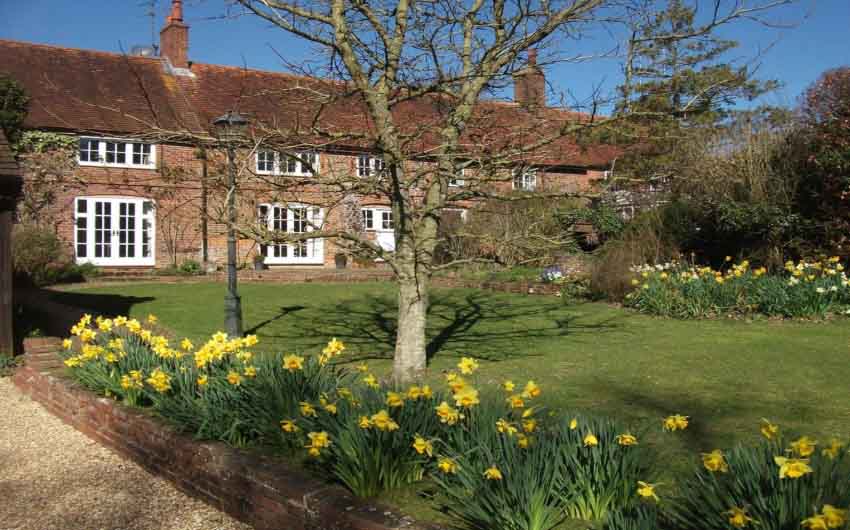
477	324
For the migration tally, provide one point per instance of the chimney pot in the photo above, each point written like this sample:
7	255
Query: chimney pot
530	84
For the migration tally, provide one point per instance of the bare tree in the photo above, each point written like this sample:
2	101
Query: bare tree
414	74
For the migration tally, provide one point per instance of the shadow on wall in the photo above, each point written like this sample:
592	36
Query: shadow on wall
54	312
477	324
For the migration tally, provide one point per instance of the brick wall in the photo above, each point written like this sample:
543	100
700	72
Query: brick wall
262	491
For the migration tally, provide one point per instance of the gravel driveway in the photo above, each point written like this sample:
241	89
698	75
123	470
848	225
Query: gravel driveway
53	477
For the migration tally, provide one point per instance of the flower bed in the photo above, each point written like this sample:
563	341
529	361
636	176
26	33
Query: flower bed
497	462
807	289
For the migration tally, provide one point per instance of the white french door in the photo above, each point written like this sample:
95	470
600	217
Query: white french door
293	219
115	231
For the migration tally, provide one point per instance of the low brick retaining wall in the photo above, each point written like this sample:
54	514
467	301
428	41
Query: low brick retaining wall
262	491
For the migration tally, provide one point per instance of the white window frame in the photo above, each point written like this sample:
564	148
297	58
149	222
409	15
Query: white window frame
281	161
382	219
527	178
369	166
114	259
129	144
459	179
315	248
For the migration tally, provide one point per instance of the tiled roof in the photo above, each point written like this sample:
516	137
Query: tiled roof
90	91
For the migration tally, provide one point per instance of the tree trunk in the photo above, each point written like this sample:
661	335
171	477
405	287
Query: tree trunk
410	354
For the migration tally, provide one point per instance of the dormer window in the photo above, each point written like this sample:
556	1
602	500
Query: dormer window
525	179
111	152
368	166
298	164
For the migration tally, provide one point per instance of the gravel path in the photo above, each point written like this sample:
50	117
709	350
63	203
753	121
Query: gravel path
53	477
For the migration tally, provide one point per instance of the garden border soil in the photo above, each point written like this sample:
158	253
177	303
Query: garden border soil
262	491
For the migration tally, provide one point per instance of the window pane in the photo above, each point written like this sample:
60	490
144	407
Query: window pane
387	220
82	205
364	163
367	219
116	153
142	154
88	150
265	161
291	165
82	234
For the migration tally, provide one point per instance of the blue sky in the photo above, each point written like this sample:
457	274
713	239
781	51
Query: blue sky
795	56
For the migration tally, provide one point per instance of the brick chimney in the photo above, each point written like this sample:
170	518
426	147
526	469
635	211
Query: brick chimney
530	84
174	37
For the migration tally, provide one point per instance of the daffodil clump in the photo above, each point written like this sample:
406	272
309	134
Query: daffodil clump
497	456
805	289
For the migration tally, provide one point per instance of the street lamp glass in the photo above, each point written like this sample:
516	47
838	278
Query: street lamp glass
231	126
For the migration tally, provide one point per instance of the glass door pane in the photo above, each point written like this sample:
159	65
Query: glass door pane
127	224
102	229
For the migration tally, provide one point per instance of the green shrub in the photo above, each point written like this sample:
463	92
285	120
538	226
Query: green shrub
190	267
40	258
753	483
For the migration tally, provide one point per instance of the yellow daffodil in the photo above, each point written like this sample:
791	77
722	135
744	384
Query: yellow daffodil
529	425
383	422
364	422
738	517
152	319
527	413
835	518
362	368
675	422
715	461
831	451
318	441
414	393
203	380
573	424
426	392
234	378
371	381
647	491
467	398
769	430
159	380
395	399
505	427
105	325
508	386
590	440
67	344
523	441
447	465
293	362
327	406
792	467
447	413
804	446
186	344
467	365
289	426
516	401
531	390
307	409
456	383
250	371
250	340
816	522
423	446
626	439
134	326
119	321
492	473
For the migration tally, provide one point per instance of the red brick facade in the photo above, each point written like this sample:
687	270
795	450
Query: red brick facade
106	96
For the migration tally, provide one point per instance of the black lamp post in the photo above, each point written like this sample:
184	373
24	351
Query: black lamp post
231	129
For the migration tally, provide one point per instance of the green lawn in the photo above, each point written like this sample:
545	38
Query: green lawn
592	357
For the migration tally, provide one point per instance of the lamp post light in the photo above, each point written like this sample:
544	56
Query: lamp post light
231	129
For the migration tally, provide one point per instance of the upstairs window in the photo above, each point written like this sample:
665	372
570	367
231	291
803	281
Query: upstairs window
299	164
116	153
525	179
368	166
377	219
458	179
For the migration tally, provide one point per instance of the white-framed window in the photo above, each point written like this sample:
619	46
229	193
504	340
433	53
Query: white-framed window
459	179
299	164
116	152
115	231
293	219
368	165
525	179
377	219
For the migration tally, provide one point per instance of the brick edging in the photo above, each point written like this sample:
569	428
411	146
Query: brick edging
262	491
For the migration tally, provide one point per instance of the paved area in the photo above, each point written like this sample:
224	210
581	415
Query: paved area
53	477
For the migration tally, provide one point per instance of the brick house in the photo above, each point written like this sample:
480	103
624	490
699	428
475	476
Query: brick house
140	193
